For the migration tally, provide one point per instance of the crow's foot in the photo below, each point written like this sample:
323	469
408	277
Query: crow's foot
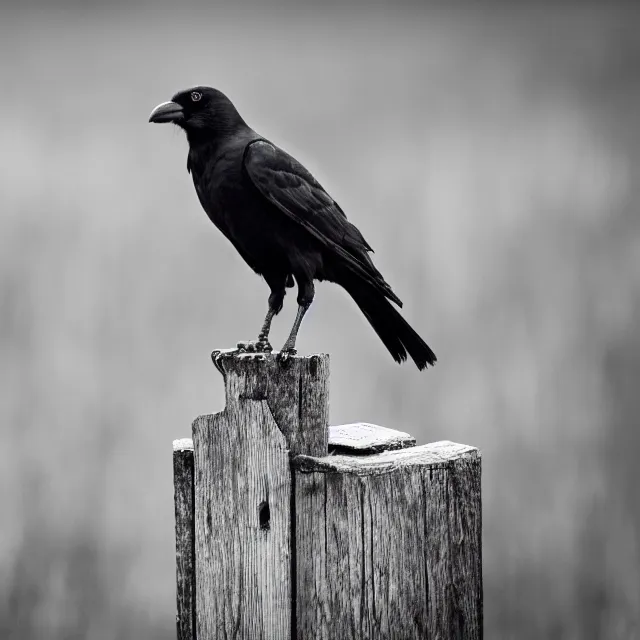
254	346
285	355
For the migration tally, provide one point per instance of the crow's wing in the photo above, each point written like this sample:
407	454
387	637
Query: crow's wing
287	185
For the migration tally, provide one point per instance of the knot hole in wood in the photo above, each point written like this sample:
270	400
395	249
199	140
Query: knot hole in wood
264	516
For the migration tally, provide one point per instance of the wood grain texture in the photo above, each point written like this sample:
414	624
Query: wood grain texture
388	545
242	568
185	538
365	438
297	393
243	491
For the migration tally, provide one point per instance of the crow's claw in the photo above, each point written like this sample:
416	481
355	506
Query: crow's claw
264	346
254	346
285	355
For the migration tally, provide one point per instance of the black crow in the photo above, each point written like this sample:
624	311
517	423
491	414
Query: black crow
281	221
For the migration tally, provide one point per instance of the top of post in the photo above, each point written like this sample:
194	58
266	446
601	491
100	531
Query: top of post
233	360
296	391
434	455
182	444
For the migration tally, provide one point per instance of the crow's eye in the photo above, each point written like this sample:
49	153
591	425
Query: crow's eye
195	96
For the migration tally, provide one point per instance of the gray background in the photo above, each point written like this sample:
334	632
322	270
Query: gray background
490	156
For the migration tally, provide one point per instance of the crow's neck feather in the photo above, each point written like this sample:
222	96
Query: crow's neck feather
215	130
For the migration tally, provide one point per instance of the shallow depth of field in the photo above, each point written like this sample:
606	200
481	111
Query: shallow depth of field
490	156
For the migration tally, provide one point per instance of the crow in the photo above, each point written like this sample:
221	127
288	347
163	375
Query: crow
281	221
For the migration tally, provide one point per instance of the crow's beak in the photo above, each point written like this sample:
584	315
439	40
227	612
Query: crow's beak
167	112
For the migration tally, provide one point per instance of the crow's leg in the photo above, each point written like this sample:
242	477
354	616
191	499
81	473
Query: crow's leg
276	300
306	292
263	336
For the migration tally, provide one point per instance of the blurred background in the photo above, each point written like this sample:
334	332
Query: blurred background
490	155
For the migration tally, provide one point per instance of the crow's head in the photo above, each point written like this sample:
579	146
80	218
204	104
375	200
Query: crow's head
199	111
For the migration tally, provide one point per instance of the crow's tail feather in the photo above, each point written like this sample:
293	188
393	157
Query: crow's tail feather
394	331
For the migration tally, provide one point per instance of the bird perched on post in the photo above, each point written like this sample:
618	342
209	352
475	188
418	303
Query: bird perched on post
281	221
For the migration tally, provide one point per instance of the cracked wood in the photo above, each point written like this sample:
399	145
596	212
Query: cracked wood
243	492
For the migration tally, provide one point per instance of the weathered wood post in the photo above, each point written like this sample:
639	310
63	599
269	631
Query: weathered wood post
286	528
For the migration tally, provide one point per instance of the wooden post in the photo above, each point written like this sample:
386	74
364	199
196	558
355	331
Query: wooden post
185	538
277	540
243	491
388	545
